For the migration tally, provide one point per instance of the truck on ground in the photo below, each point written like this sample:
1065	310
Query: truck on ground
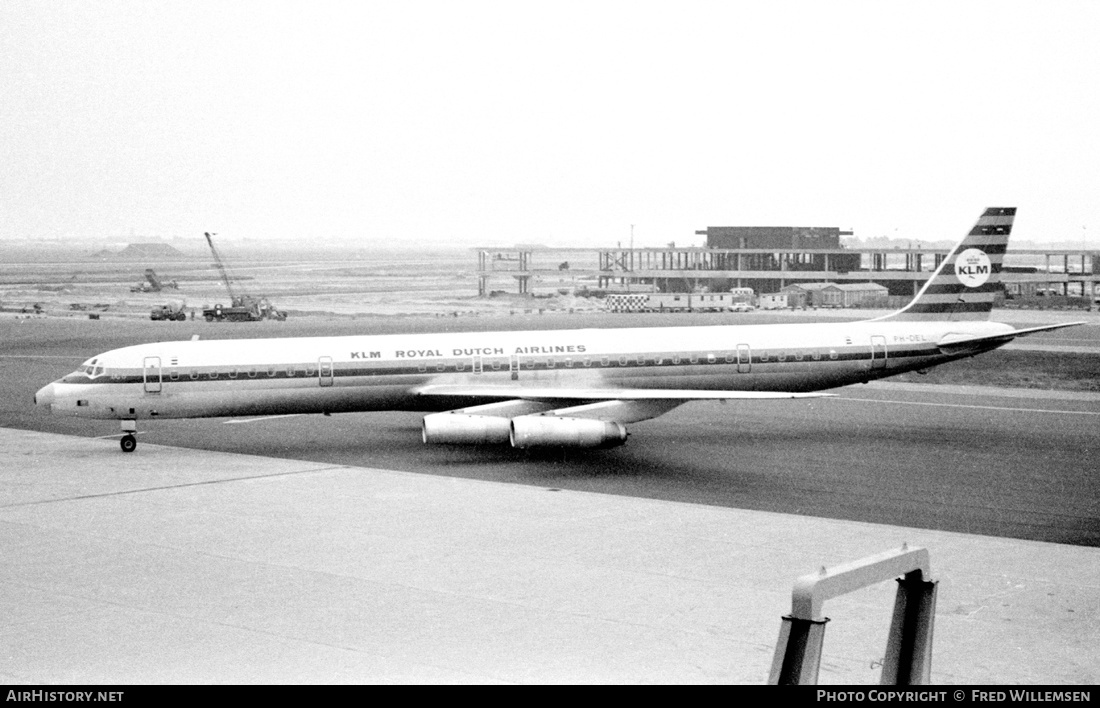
242	307
174	310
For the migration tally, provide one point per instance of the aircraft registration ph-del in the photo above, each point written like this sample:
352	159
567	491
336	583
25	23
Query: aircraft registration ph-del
558	388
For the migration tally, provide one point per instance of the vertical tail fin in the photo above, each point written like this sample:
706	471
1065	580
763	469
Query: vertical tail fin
969	278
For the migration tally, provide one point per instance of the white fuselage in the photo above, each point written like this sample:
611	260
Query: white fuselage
241	377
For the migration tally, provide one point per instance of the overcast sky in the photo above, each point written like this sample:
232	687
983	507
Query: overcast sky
555	122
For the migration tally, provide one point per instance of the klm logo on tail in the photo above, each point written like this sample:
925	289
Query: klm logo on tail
968	280
973	268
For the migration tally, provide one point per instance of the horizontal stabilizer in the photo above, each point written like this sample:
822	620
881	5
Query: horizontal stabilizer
600	394
953	343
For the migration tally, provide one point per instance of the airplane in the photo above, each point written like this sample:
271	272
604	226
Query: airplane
576	388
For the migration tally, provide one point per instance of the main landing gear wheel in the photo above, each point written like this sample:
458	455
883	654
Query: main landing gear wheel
128	443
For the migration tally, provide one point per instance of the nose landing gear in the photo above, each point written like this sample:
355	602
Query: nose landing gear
128	443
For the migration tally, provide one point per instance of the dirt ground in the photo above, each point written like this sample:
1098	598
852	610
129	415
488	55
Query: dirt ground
330	284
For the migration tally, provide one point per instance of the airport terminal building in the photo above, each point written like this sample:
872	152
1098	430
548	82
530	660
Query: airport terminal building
770	259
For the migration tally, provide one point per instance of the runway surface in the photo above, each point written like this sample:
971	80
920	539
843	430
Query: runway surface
189	566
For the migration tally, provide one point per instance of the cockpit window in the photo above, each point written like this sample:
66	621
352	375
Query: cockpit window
91	369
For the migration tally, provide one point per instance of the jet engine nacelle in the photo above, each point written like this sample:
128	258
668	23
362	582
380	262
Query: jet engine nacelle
554	431
465	429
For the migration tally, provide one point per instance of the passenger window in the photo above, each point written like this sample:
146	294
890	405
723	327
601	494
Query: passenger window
711	358
605	361
194	374
832	354
622	361
212	375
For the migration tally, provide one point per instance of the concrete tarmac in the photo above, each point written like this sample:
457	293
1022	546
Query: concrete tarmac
200	567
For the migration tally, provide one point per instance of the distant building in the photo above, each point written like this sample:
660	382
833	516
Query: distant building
837	294
780	238
774	301
763	237
743	295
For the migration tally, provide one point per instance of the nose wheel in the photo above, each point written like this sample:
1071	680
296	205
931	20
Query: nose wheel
128	443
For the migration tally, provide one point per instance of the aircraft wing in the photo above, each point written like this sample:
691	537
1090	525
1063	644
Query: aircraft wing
953	343
602	394
578	417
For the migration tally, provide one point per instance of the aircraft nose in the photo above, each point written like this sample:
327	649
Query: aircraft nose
45	397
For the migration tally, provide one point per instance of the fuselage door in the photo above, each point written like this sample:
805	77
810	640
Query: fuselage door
744	359
878	352
152	374
324	370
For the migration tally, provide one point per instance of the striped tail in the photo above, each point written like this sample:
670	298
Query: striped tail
969	278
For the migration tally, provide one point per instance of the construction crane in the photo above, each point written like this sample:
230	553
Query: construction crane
242	307
226	280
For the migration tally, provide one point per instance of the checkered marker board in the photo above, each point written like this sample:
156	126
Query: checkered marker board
627	303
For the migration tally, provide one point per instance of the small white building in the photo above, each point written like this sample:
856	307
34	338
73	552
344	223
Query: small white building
773	301
743	295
